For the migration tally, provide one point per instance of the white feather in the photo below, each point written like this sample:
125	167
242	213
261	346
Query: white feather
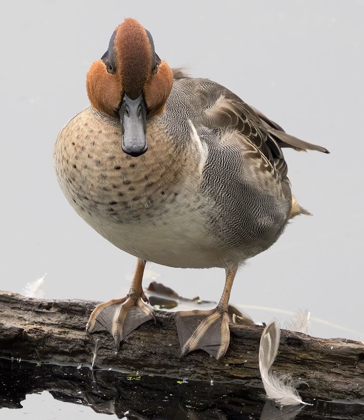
299	322
200	145
35	289
278	388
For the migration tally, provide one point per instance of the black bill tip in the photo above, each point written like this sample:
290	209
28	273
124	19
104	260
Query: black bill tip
134	150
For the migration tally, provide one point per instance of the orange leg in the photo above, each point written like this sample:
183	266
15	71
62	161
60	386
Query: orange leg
207	330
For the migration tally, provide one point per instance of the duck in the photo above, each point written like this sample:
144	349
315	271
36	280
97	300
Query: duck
177	171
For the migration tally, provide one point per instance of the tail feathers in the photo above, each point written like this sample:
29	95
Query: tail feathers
296	209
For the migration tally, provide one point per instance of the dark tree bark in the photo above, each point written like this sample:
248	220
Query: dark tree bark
54	331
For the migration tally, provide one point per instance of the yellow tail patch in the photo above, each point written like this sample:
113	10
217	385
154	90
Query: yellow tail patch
296	209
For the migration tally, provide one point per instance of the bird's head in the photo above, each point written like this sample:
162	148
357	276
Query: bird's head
131	83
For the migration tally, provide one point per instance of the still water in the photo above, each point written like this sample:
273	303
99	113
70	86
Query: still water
44	391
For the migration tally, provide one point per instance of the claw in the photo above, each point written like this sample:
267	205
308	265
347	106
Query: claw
144	297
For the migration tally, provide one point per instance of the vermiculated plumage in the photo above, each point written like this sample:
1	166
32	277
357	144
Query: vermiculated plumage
208	186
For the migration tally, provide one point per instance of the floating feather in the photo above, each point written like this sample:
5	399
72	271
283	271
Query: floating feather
35	289
278	388
300	322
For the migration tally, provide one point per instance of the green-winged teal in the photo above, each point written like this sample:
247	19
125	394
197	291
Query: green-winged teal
174	170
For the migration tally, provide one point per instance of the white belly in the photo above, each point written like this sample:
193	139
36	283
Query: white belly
173	240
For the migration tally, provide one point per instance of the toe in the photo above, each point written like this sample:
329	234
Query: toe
102	316
130	319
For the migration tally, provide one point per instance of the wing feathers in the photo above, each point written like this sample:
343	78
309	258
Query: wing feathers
266	135
286	140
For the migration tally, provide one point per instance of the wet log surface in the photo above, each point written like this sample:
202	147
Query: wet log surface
53	332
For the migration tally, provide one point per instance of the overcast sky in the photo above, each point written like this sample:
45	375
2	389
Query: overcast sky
300	62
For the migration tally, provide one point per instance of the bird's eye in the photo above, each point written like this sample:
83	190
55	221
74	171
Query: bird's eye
157	61
109	62
109	57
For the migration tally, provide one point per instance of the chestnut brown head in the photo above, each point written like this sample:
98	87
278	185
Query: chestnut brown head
131	83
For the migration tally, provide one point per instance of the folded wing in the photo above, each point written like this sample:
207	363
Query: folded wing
231	113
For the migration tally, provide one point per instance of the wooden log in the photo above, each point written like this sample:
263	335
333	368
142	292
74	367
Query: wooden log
54	331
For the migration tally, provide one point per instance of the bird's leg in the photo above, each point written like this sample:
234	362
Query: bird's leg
122	316
207	330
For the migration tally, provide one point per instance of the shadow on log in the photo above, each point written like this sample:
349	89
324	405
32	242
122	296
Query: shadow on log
53	331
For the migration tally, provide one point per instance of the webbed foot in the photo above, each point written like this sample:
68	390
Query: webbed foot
120	316
204	330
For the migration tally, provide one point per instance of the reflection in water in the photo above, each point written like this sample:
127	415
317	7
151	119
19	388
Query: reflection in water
133	396
271	412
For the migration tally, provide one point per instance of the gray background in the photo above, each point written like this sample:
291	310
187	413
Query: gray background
300	62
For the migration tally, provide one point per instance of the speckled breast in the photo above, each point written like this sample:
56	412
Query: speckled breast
102	179
148	206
